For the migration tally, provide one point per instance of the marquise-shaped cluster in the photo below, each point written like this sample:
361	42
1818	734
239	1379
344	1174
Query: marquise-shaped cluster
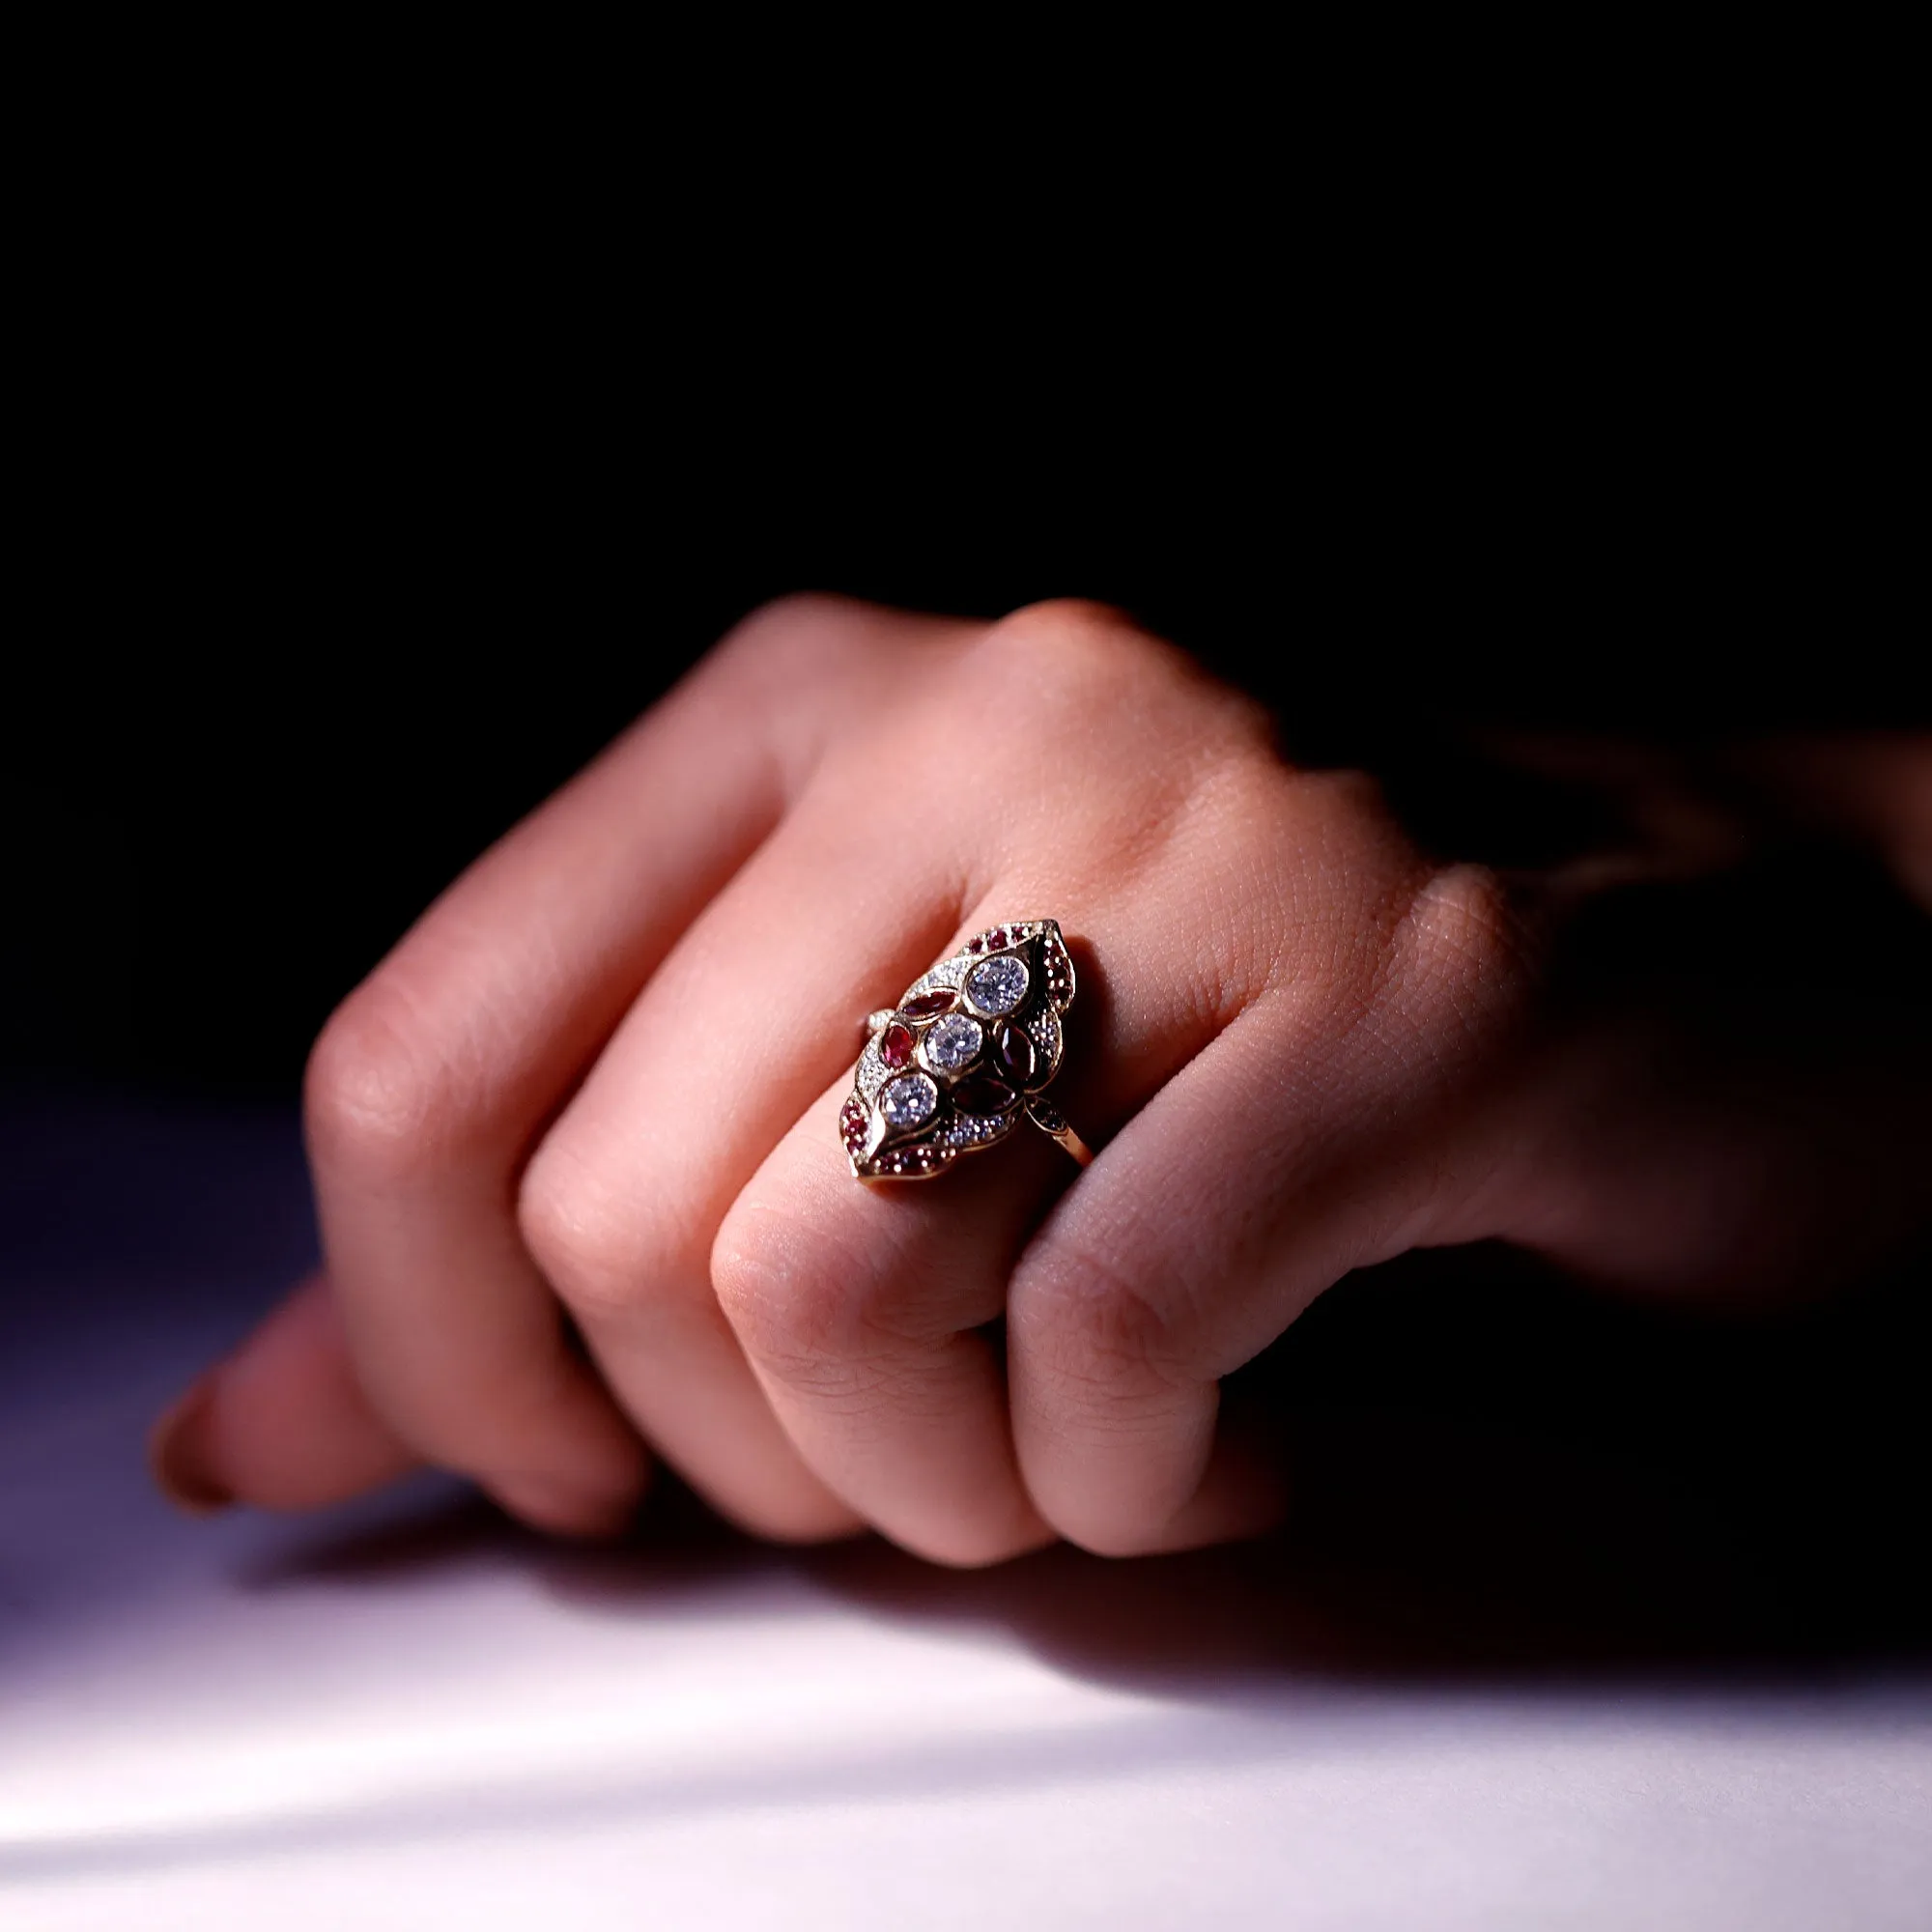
951	1068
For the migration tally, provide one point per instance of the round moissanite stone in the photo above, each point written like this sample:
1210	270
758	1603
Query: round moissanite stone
997	985
954	1043
910	1101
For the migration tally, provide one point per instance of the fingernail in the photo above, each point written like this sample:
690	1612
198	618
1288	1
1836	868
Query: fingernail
562	1510
179	1453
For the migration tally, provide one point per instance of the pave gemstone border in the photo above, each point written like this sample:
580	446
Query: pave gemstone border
879	1149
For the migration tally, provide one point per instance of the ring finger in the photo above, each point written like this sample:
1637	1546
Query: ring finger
861	1308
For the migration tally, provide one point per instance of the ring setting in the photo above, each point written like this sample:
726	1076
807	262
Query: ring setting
964	1058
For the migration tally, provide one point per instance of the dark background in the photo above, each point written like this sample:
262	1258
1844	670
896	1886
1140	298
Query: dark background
281	683
372	470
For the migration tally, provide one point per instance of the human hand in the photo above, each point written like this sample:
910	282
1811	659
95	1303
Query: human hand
576	1144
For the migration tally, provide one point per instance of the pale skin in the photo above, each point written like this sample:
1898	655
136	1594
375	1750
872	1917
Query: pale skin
584	1203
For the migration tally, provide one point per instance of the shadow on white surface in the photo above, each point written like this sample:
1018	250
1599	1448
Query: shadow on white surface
1486	1682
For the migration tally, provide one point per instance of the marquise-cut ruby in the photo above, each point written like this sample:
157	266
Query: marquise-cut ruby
1015	1055
983	1094
895	1044
928	1005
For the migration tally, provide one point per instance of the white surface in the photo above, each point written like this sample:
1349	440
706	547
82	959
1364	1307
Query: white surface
409	1717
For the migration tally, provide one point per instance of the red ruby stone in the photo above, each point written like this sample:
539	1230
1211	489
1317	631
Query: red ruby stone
895	1044
1016	1055
997	938
983	1094
928	1006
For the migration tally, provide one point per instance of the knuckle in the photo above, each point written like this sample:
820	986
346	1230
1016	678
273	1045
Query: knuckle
1097	1334
804	635
1353	862
1066	622
587	1239
792	1299
1470	945
1116	733
1068	650
783	623
1380	927
381	1097
778	1295
856	659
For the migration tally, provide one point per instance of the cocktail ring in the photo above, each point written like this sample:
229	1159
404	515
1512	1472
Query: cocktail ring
964	1056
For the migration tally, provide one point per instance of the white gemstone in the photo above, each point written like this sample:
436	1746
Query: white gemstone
947	973
910	1101
997	985
954	1044
972	1129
